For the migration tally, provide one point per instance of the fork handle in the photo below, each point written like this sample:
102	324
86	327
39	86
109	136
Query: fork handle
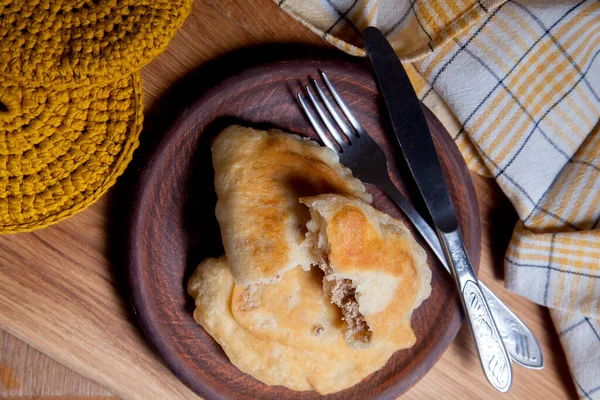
492	354
520	342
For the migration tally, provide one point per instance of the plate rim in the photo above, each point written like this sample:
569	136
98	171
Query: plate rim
138	295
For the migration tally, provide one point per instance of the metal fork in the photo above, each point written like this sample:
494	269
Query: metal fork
368	163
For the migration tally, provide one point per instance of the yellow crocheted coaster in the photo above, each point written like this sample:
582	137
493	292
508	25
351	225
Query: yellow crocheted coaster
60	150
66	43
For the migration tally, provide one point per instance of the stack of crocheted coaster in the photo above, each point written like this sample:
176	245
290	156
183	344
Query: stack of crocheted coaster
71	99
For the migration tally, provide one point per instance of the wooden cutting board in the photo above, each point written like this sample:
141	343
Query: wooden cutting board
61	287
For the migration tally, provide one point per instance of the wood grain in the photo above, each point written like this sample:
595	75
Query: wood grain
25	371
173	226
61	286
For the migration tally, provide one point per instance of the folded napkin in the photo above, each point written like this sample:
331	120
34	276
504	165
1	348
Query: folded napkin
517	85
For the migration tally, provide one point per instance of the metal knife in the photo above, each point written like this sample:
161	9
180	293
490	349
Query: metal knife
520	342
416	143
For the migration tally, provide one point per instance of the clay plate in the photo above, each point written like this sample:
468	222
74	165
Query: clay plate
173	227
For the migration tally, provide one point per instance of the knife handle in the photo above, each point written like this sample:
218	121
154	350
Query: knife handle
520	342
492	353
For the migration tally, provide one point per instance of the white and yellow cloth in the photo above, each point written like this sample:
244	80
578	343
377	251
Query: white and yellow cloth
517	84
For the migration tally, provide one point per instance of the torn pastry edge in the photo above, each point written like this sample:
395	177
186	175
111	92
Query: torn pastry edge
339	290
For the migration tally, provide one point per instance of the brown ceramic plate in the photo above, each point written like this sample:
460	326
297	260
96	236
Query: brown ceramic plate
173	228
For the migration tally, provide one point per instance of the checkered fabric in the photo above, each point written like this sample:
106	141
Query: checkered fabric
517	84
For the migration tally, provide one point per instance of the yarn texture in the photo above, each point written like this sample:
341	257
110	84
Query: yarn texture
60	150
73	42
71	99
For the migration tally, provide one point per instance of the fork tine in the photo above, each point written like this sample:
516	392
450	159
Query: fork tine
316	125
336	115
359	129
328	122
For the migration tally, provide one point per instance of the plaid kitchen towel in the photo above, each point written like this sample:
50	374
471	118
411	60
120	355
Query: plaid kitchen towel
517	84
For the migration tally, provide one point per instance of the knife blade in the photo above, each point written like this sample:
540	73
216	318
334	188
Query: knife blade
414	138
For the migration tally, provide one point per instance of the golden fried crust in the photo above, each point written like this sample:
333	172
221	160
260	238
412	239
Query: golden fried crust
323	363
259	177
376	252
293	311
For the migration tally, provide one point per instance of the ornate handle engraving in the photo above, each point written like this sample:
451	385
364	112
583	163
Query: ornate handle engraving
492	354
495	362
520	342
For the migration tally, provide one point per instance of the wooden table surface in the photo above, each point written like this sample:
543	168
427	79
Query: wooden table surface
66	327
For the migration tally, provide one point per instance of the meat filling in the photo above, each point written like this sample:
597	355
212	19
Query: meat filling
342	293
